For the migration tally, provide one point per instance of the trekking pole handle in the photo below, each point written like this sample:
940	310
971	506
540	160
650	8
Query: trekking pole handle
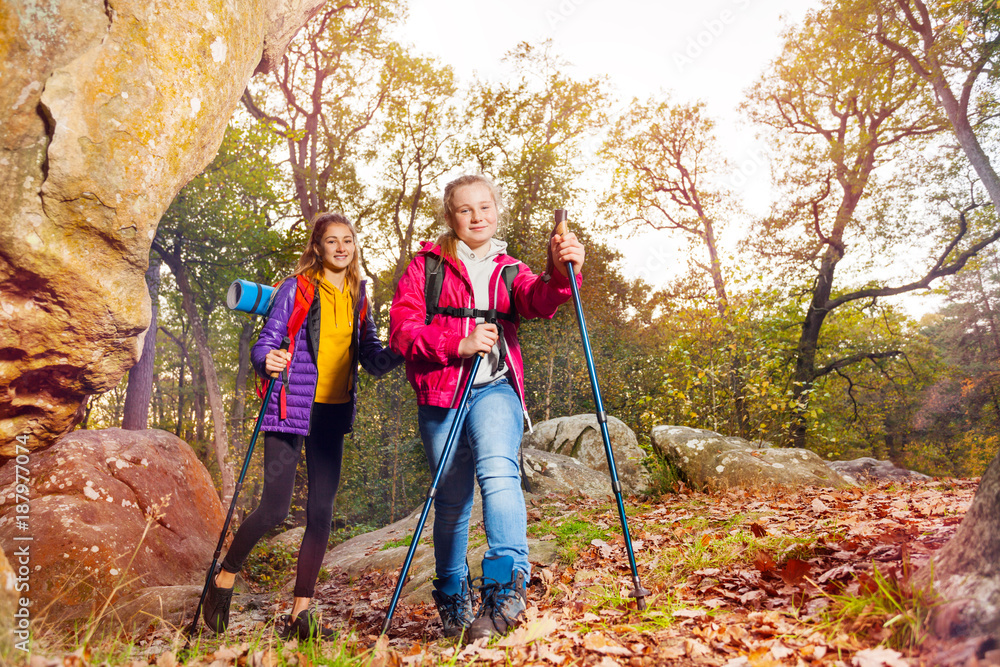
560	227
286	342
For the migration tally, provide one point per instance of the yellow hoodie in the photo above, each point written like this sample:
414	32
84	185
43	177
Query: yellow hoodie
336	327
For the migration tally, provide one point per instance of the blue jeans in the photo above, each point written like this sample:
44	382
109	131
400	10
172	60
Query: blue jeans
489	439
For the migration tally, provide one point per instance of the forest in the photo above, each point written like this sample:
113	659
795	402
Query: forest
791	327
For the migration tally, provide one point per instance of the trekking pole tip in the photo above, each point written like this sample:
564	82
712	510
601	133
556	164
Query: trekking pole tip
640	594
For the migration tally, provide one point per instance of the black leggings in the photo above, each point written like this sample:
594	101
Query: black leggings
324	450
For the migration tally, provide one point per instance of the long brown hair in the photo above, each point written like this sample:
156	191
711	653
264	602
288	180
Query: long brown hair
310	263
448	240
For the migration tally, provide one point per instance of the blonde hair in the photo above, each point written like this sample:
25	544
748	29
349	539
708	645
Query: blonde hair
448	240
310	264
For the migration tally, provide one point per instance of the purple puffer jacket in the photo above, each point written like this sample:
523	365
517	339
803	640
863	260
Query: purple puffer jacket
302	374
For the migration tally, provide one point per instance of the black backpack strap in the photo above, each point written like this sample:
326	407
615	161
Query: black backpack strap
433	280
507	274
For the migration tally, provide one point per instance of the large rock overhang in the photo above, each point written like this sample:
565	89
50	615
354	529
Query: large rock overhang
107	108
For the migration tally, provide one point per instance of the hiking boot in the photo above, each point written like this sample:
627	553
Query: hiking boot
455	610
303	627
216	608
504	599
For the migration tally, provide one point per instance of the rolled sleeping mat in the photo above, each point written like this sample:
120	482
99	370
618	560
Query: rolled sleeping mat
248	297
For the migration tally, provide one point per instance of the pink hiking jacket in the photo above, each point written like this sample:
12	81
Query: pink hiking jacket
433	366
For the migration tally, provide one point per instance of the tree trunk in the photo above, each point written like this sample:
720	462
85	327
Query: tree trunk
240	394
158	400
140	377
182	350
548	388
221	439
198	385
390	432
736	383
179	426
967	568
805	352
86	415
737	386
804	378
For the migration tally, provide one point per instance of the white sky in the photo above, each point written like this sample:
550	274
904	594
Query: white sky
709	51
638	44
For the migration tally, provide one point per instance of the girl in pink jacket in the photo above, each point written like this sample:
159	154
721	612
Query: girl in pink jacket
474	315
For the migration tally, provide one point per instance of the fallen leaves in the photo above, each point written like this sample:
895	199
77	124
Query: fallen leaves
764	561
879	657
794	571
738	578
534	628
597	642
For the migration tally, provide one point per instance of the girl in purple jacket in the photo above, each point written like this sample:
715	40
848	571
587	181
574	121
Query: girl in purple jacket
438	352
323	308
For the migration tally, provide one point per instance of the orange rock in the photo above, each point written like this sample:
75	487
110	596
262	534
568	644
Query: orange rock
110	512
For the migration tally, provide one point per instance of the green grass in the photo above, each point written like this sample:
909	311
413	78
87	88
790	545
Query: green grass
703	543
664	477
572	535
884	603
344	534
345	650
404	541
658	615
269	566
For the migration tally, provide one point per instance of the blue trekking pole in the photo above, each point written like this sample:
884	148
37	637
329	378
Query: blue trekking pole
638	592
236	494
432	492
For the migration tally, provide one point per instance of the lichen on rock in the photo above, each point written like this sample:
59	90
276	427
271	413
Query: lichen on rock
707	459
109	108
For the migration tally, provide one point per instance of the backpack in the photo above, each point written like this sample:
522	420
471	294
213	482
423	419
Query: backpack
433	282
